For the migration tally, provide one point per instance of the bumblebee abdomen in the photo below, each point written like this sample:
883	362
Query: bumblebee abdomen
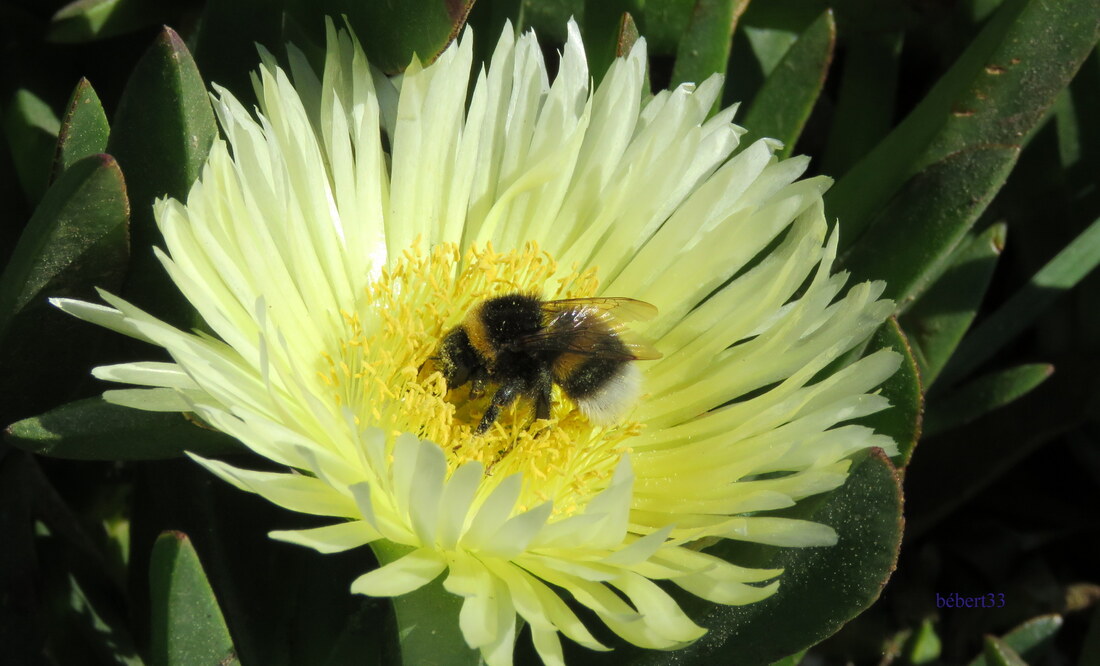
602	388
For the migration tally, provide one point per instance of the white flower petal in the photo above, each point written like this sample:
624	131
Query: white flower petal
517	532
780	532
303	494
150	400
330	538
492	514
456	502
167	375
403	575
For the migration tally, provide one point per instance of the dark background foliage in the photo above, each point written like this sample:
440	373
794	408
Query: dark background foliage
964	141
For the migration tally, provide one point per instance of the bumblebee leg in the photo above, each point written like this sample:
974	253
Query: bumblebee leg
504	396
477	382
542	394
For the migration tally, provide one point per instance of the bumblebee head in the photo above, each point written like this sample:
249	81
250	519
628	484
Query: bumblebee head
456	358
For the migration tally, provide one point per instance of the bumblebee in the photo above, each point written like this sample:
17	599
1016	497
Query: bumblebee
524	345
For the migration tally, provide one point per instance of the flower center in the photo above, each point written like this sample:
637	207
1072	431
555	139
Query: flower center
379	371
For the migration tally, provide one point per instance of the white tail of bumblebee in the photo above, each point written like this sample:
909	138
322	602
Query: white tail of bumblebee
614	398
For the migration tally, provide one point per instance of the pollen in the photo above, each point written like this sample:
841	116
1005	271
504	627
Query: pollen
380	370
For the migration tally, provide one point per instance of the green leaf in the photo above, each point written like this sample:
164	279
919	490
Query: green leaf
902	421
924	645
84	129
285	605
79	585
428	631
94	429
793	660
993	96
919	228
765	32
225	42
939	319
602	29
665	24
87	20
783	104
1061	273
983	395
999	653
864	111
31	127
187	625
820	589
76	240
161	135
705	46
392	32
1029	639
549	17
958	464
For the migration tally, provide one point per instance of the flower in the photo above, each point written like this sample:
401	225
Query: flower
331	242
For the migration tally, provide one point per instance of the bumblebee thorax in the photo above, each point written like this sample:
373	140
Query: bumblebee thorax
496	324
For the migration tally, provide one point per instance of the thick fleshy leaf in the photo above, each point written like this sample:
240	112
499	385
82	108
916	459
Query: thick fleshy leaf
864	111
187	624
994	95
970	457
76	240
663	22
76	572
86	20
821	588
705	46
792	660
927	220
903	420
783	104
161	134
999	653
227	36
1061	273
81	221
288	607
428	630
602	28
765	32
984	394
392	32
938	320
924	646
84	129
31	126
1029	640
94	429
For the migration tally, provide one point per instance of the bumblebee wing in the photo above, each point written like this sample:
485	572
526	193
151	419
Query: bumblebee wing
602	345
592	327
605	309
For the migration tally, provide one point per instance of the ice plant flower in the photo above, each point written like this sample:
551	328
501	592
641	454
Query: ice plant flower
334	237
